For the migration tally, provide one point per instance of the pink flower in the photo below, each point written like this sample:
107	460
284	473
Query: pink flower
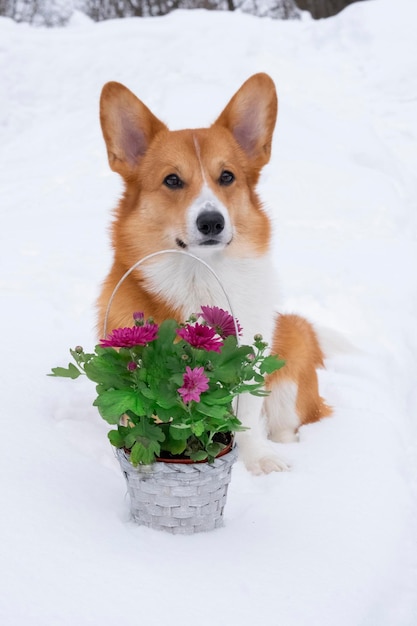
200	336
220	320
194	383
130	336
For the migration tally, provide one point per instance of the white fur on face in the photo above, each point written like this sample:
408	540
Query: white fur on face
206	201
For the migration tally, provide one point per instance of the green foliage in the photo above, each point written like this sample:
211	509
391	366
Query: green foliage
138	391
66	372
114	403
270	364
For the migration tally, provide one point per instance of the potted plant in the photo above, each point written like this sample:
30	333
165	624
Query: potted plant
168	390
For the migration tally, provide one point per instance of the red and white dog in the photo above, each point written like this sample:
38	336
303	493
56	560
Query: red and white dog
195	190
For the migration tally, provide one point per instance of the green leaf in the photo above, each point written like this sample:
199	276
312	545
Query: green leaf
147	429
227	366
147	436
246	387
145	391
116	438
214	448
180	432
198	428
177	379
109	370
216	411
271	364
260	393
166	415
130	439
167	402
113	403
144	454
166	334
219	396
140	454
66	372
199	455
231	353
174	447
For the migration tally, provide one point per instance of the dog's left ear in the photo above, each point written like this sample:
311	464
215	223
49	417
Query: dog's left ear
251	115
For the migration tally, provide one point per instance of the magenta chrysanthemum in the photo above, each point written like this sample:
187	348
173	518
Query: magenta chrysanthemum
194	383
130	336
200	336
221	320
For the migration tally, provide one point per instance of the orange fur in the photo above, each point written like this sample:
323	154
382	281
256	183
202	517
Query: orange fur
296	342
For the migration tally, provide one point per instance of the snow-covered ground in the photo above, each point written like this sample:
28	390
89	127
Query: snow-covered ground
331	543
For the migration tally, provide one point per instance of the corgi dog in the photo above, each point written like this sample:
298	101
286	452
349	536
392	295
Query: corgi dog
195	190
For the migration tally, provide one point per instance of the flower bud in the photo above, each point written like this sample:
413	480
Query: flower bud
139	318
78	349
185	357
258	337
132	366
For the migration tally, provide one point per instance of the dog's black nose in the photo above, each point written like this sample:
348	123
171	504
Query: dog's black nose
210	223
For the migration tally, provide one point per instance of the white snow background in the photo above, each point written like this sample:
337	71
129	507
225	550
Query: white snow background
331	543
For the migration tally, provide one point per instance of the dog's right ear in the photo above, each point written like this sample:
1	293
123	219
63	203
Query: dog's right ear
128	127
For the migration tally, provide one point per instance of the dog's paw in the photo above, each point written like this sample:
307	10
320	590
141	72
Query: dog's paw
266	465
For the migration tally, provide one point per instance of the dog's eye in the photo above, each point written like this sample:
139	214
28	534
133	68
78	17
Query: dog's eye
173	181
226	178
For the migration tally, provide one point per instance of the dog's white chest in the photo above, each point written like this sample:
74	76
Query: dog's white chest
247	287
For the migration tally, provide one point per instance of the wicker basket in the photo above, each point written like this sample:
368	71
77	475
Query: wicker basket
177	497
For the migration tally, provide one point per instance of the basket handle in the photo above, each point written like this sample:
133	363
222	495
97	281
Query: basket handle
159	253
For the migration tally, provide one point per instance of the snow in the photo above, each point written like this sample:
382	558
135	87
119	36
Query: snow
333	541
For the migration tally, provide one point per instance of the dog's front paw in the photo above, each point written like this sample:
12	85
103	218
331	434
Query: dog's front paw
266	464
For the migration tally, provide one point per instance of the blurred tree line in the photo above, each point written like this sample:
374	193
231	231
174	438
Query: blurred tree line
58	12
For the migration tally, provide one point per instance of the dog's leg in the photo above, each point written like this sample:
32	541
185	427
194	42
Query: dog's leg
294	394
281	410
254	449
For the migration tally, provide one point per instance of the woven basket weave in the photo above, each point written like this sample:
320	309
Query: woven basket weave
178	498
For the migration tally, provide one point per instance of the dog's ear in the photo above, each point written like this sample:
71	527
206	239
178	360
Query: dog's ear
251	115
128	127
